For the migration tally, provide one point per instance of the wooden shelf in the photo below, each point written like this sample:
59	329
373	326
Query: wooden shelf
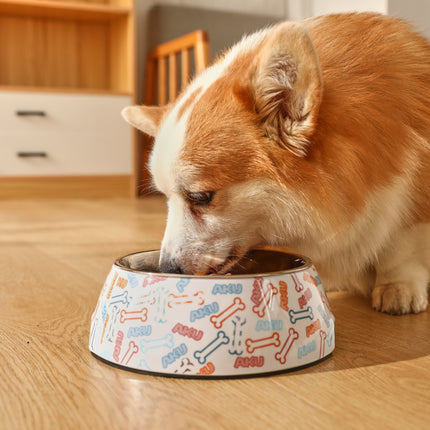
63	10
48	187
64	90
67	45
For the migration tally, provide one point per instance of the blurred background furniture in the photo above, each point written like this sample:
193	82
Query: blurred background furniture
169	68
67	69
171	64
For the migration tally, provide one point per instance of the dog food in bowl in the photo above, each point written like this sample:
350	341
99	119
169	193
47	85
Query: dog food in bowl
270	316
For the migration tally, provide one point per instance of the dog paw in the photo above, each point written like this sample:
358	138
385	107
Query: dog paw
399	299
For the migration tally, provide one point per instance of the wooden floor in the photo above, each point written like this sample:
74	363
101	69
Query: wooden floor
54	257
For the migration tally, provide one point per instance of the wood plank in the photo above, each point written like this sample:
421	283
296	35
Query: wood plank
162	80
95	53
63	9
151	70
185	68
173	77
176	45
120	66
54	187
64	90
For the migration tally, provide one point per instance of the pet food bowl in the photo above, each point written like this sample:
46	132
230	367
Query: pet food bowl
273	317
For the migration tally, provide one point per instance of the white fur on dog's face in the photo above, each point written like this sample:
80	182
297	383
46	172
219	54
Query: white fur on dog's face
241	215
219	236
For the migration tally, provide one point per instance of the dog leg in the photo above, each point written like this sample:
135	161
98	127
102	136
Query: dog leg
403	273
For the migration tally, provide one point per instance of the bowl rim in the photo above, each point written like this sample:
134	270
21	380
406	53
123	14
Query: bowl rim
307	265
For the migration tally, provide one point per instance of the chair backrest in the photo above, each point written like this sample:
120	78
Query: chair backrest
171	64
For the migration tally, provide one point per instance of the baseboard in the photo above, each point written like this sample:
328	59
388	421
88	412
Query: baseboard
65	187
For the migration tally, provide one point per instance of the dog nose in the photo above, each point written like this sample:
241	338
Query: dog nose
170	265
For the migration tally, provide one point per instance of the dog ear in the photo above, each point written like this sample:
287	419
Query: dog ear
145	118
287	87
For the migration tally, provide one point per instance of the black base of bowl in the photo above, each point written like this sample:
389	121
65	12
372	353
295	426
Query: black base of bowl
185	376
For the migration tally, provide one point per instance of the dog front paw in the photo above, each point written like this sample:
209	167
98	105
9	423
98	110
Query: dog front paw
399	298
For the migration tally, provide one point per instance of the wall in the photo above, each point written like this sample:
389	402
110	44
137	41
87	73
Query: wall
258	7
321	7
225	20
415	11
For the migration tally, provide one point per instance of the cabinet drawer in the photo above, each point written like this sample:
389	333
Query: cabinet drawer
64	154
62	134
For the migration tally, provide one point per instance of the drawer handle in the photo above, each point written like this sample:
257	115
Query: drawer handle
32	154
30	113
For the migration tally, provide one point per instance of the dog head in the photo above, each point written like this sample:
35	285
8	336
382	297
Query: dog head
226	152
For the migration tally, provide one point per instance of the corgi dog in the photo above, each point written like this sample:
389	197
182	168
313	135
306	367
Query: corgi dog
310	135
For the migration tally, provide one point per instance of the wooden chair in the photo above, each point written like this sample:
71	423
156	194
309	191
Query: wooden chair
162	71
169	68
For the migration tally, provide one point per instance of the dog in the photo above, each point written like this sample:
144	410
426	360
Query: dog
309	135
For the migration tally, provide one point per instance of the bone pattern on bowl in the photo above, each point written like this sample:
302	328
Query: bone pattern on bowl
211	326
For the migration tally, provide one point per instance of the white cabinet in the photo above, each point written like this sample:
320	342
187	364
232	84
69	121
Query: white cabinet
44	134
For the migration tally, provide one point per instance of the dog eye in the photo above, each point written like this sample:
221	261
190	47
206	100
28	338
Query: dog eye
200	199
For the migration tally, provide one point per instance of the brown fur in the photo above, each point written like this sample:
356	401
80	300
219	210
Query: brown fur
385	110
